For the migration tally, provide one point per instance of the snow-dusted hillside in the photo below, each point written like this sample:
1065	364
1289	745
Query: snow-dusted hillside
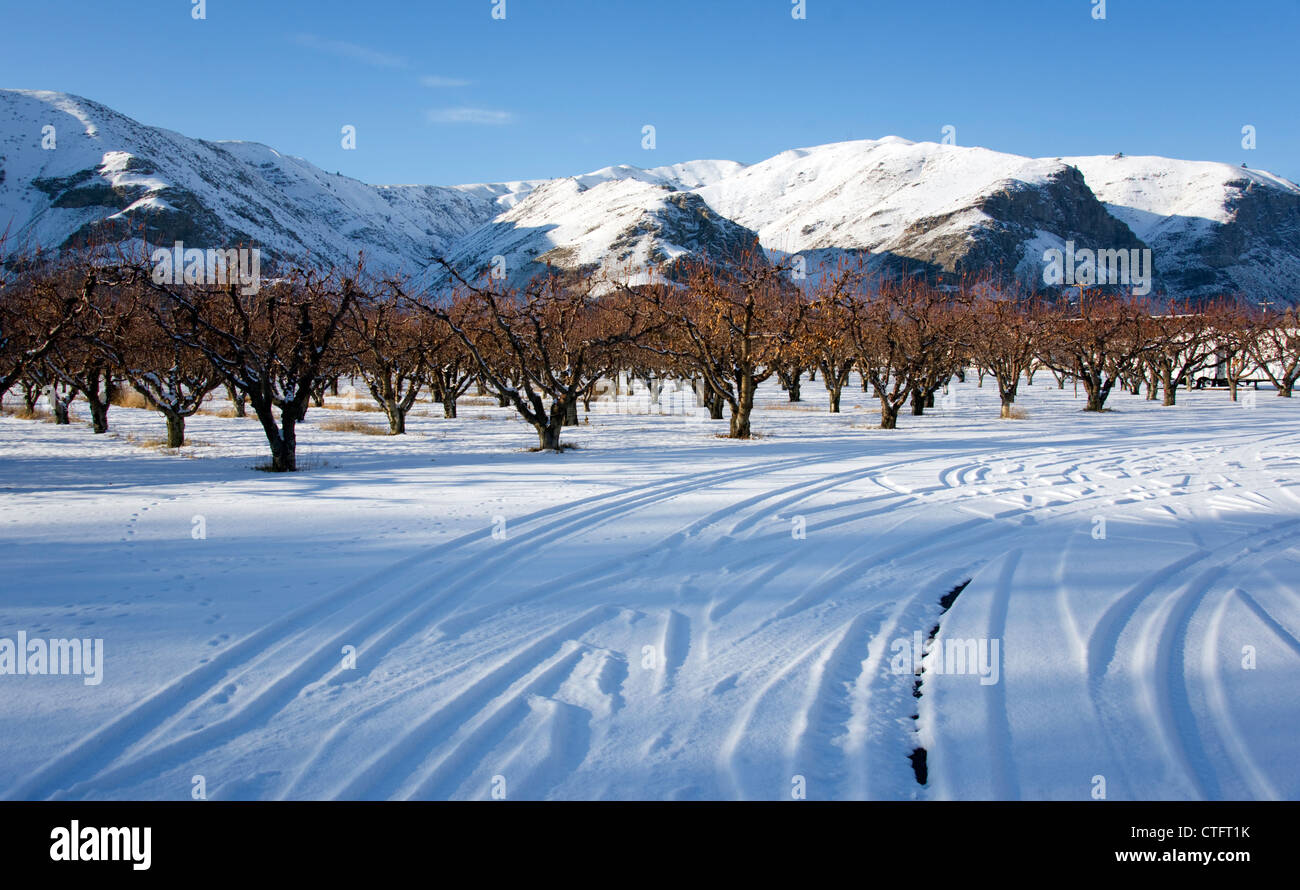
937	209
1212	227
616	226
111	177
944	208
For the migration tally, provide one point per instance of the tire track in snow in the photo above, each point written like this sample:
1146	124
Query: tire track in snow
1216	696
1162	679
999	721
207	680
398	765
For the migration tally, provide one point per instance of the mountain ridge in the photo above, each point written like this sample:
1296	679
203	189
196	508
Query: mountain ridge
904	207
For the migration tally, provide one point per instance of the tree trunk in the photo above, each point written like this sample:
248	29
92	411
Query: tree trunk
791	384
548	434
175	429
237	399
98	413
715	404
1097	392
571	412
740	413
396	418
282	438
1170	389
834	393
918	402
888	416
286	461
1008	394
449	407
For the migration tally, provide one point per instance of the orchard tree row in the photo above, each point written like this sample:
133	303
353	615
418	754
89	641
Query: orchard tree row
85	324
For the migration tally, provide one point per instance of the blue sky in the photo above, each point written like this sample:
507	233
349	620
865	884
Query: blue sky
441	92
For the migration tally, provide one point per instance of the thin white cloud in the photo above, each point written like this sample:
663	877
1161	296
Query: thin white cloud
354	51
469	116
432	80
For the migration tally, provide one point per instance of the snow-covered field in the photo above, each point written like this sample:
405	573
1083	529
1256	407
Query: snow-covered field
662	613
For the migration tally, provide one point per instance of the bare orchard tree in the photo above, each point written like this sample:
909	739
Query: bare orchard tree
1233	331
40	300
1277	349
905	340
936	324
541	347
384	337
1178	345
826	334
276	345
1002	337
173	376
734	324
1096	343
87	357
451	368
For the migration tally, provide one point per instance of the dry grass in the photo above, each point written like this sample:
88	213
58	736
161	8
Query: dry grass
355	426
793	406
1017	414
41	414
349	405
218	412
23	414
127	397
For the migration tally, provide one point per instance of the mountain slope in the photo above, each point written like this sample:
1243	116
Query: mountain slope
618	226
940	210
1213	228
109	177
937	208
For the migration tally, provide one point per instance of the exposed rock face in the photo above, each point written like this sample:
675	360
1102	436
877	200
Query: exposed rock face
1017	214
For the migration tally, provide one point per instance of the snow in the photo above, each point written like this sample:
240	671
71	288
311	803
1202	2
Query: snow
889	197
649	625
863	194
1153	196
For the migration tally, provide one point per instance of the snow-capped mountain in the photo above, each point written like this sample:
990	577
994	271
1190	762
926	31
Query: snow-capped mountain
1213	228
942	210
617	226
917	206
112	178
